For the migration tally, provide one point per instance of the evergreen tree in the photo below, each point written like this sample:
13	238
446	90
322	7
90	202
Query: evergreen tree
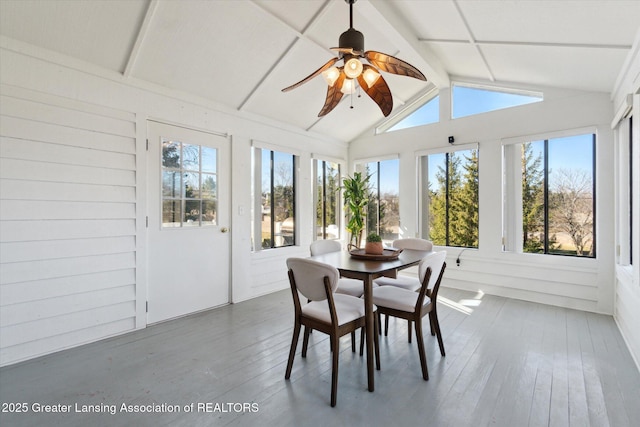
532	199
453	205
464	215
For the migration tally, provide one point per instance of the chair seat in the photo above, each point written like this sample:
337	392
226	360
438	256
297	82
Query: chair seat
404	282
348	308
353	287
397	298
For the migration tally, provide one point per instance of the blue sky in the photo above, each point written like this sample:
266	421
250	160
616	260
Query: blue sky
570	152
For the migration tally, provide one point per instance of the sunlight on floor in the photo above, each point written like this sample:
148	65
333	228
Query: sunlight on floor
463	306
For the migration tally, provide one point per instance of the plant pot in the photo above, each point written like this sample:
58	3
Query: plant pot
374	248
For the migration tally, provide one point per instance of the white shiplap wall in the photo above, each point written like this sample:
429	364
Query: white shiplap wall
67	223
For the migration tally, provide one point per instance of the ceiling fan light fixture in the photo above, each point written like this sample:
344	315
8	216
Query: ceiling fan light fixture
331	75
370	76
354	74
353	68
348	86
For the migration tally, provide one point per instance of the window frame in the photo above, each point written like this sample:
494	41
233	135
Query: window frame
256	207
183	199
489	88
315	160
424	215
409	109
360	165
512	239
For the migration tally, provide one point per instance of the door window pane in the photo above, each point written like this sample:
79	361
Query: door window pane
185	185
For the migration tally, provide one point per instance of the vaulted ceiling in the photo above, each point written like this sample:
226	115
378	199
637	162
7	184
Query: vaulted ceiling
240	54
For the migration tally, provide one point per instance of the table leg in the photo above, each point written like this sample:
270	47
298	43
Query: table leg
368	310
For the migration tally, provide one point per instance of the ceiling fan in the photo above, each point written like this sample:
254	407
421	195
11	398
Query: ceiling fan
345	79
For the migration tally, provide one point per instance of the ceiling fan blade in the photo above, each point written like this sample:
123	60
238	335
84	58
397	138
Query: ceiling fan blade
334	95
393	65
379	92
326	66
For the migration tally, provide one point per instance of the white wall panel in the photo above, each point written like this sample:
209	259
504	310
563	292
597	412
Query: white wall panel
14	252
67	224
41	151
19	292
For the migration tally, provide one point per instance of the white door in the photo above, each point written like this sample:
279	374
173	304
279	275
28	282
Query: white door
188	186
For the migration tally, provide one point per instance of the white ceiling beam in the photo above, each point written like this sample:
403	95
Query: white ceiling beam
299	35
529	43
142	33
472	41
384	15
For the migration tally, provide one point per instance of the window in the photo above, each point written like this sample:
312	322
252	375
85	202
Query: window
467	101
274	204
428	113
327	189
383	209
450	198
189	185
553	185
421	111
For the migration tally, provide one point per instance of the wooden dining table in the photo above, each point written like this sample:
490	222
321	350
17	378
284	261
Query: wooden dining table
367	271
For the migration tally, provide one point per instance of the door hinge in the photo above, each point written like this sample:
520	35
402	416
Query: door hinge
147	144
147	221
147	306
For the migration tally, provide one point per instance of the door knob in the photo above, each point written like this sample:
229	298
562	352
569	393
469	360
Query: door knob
224	229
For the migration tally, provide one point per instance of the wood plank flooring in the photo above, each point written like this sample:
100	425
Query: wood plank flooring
508	363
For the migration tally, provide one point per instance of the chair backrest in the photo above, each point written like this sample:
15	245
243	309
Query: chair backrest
309	277
413	243
435	261
320	247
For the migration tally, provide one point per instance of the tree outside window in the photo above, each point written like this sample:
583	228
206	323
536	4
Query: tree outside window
327	187
276	198
383	209
452	198
558	196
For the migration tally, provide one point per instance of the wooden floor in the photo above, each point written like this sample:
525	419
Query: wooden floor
509	363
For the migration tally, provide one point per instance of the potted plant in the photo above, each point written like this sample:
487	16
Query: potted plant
356	196
374	244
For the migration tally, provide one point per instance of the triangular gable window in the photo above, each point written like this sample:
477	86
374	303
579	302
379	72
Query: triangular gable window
427	113
468	101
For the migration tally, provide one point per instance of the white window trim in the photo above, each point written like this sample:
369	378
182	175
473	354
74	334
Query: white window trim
275	147
358	163
448	149
550	135
492	88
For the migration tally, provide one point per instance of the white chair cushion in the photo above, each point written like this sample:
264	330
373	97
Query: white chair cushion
309	276
404	282
353	287
397	298
348	308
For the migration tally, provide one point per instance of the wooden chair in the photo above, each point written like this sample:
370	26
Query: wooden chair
353	287
347	286
329	312
404	282
413	306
